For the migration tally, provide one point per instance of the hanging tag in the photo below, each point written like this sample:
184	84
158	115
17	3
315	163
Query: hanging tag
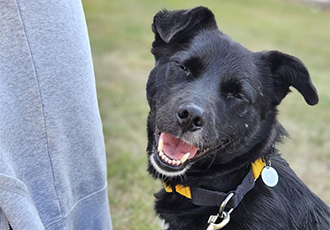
269	176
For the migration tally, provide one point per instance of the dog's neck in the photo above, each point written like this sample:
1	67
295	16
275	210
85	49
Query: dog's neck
214	197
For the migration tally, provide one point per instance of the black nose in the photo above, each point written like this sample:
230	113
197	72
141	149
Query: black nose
190	117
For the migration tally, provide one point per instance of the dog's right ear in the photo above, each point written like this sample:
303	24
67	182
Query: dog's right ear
286	71
177	27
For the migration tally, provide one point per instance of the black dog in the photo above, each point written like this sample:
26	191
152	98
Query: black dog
213	107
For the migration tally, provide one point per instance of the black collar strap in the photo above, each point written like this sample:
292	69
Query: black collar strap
205	197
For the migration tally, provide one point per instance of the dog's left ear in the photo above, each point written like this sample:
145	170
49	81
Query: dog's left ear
289	71
173	28
169	25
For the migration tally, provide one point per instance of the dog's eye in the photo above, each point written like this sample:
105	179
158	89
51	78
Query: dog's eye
182	66
233	95
231	89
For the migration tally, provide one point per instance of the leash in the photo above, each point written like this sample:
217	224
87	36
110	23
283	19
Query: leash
226	201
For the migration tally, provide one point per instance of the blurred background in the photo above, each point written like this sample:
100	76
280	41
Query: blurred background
121	37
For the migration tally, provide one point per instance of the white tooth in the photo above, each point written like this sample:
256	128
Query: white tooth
163	157
177	162
167	160
160	145
170	161
184	158
161	153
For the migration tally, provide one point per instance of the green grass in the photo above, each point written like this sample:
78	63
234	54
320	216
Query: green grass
121	37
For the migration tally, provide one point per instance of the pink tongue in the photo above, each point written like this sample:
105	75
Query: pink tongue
176	148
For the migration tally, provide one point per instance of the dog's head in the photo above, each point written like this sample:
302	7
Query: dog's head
212	100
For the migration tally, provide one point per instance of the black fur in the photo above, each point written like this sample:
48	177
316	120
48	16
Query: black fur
239	91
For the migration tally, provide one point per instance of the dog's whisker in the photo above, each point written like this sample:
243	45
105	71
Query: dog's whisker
215	154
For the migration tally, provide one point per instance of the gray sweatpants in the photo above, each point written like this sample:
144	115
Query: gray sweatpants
52	158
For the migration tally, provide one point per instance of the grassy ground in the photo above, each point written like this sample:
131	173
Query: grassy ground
120	37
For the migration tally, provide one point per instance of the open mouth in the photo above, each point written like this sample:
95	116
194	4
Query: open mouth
174	154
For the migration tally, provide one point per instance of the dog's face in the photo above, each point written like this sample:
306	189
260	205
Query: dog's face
212	100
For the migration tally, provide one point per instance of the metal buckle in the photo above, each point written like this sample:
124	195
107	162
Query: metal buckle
225	216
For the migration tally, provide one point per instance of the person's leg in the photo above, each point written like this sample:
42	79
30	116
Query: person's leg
51	140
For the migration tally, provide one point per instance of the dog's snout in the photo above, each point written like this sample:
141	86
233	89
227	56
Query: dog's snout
190	117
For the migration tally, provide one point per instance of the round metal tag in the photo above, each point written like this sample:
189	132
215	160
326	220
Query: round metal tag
269	176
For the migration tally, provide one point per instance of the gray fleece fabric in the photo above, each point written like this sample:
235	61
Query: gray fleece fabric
52	157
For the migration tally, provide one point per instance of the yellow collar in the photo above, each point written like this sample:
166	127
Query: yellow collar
257	167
